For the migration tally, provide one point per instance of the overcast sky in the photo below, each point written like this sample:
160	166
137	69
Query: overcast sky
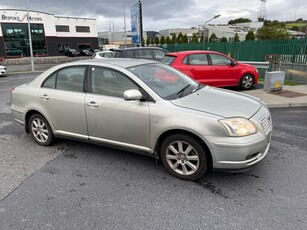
163	14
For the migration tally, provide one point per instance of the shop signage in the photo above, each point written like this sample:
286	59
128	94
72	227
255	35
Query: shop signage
20	19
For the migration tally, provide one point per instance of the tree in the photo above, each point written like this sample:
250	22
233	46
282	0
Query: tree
194	39
162	40
250	36
185	38
239	20
236	38
224	39
213	38
174	38
157	40
272	31
168	40
147	41
180	38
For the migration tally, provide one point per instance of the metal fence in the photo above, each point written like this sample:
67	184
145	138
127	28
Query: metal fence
290	54
295	73
290	50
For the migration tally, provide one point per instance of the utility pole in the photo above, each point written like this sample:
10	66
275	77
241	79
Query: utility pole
30	37
141	23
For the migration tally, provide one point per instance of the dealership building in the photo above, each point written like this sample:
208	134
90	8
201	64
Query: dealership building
51	35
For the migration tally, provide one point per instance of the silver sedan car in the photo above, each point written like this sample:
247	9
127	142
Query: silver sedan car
147	107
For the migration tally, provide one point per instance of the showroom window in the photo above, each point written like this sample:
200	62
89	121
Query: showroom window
16	39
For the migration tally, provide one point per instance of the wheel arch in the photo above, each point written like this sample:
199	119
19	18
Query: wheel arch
180	131
27	118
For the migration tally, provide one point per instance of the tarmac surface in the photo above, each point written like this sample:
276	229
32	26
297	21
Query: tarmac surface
288	96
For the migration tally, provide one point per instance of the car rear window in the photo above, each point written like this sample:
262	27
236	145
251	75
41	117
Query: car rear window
168	60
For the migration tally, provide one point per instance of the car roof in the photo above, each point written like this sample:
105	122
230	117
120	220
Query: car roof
121	62
140	48
191	52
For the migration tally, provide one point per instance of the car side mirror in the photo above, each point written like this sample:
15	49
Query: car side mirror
132	94
233	63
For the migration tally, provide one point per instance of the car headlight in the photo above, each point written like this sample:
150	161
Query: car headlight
238	127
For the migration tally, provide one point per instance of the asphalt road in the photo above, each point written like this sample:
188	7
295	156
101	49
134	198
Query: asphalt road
72	185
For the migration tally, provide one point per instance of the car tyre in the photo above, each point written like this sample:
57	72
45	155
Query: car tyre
184	157
247	81
40	130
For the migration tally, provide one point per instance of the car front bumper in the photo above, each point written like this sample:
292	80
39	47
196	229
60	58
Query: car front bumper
239	153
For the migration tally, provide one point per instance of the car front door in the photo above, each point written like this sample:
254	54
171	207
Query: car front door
110	118
198	68
224	73
62	97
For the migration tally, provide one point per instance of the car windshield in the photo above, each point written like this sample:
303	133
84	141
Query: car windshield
167	82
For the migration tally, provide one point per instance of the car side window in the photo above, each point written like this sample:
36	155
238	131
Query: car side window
110	82
130	54
70	79
50	82
196	59
219	60
146	54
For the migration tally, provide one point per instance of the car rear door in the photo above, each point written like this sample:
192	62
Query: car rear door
110	118
62	97
198	68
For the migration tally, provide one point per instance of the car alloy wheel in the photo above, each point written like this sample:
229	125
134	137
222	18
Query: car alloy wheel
247	81
40	130
183	157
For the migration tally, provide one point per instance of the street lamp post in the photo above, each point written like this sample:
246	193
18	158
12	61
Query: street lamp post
30	37
216	16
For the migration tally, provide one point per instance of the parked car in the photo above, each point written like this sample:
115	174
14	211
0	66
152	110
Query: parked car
72	53
95	50
146	106
103	54
85	53
213	68
150	53
2	70
13	52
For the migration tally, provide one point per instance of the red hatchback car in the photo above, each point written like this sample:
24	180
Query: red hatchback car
213	68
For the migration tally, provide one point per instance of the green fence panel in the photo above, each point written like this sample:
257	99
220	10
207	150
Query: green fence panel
285	51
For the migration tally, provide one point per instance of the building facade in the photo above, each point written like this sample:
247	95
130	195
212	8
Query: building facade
51	35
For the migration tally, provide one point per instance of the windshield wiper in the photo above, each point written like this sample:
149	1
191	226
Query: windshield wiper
199	86
182	90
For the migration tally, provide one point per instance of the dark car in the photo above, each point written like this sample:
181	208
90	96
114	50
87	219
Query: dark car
150	53
72	53
13	52
86	53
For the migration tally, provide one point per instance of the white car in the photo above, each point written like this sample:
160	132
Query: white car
148	107
2	70
103	54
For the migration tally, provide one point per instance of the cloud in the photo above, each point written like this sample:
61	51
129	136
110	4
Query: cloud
162	14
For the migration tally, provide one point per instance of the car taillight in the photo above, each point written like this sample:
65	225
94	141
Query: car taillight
11	91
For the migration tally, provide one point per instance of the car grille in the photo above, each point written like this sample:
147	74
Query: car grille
266	122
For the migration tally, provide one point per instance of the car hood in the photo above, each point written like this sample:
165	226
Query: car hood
220	102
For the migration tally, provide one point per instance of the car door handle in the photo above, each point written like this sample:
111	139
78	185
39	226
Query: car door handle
92	104
44	97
